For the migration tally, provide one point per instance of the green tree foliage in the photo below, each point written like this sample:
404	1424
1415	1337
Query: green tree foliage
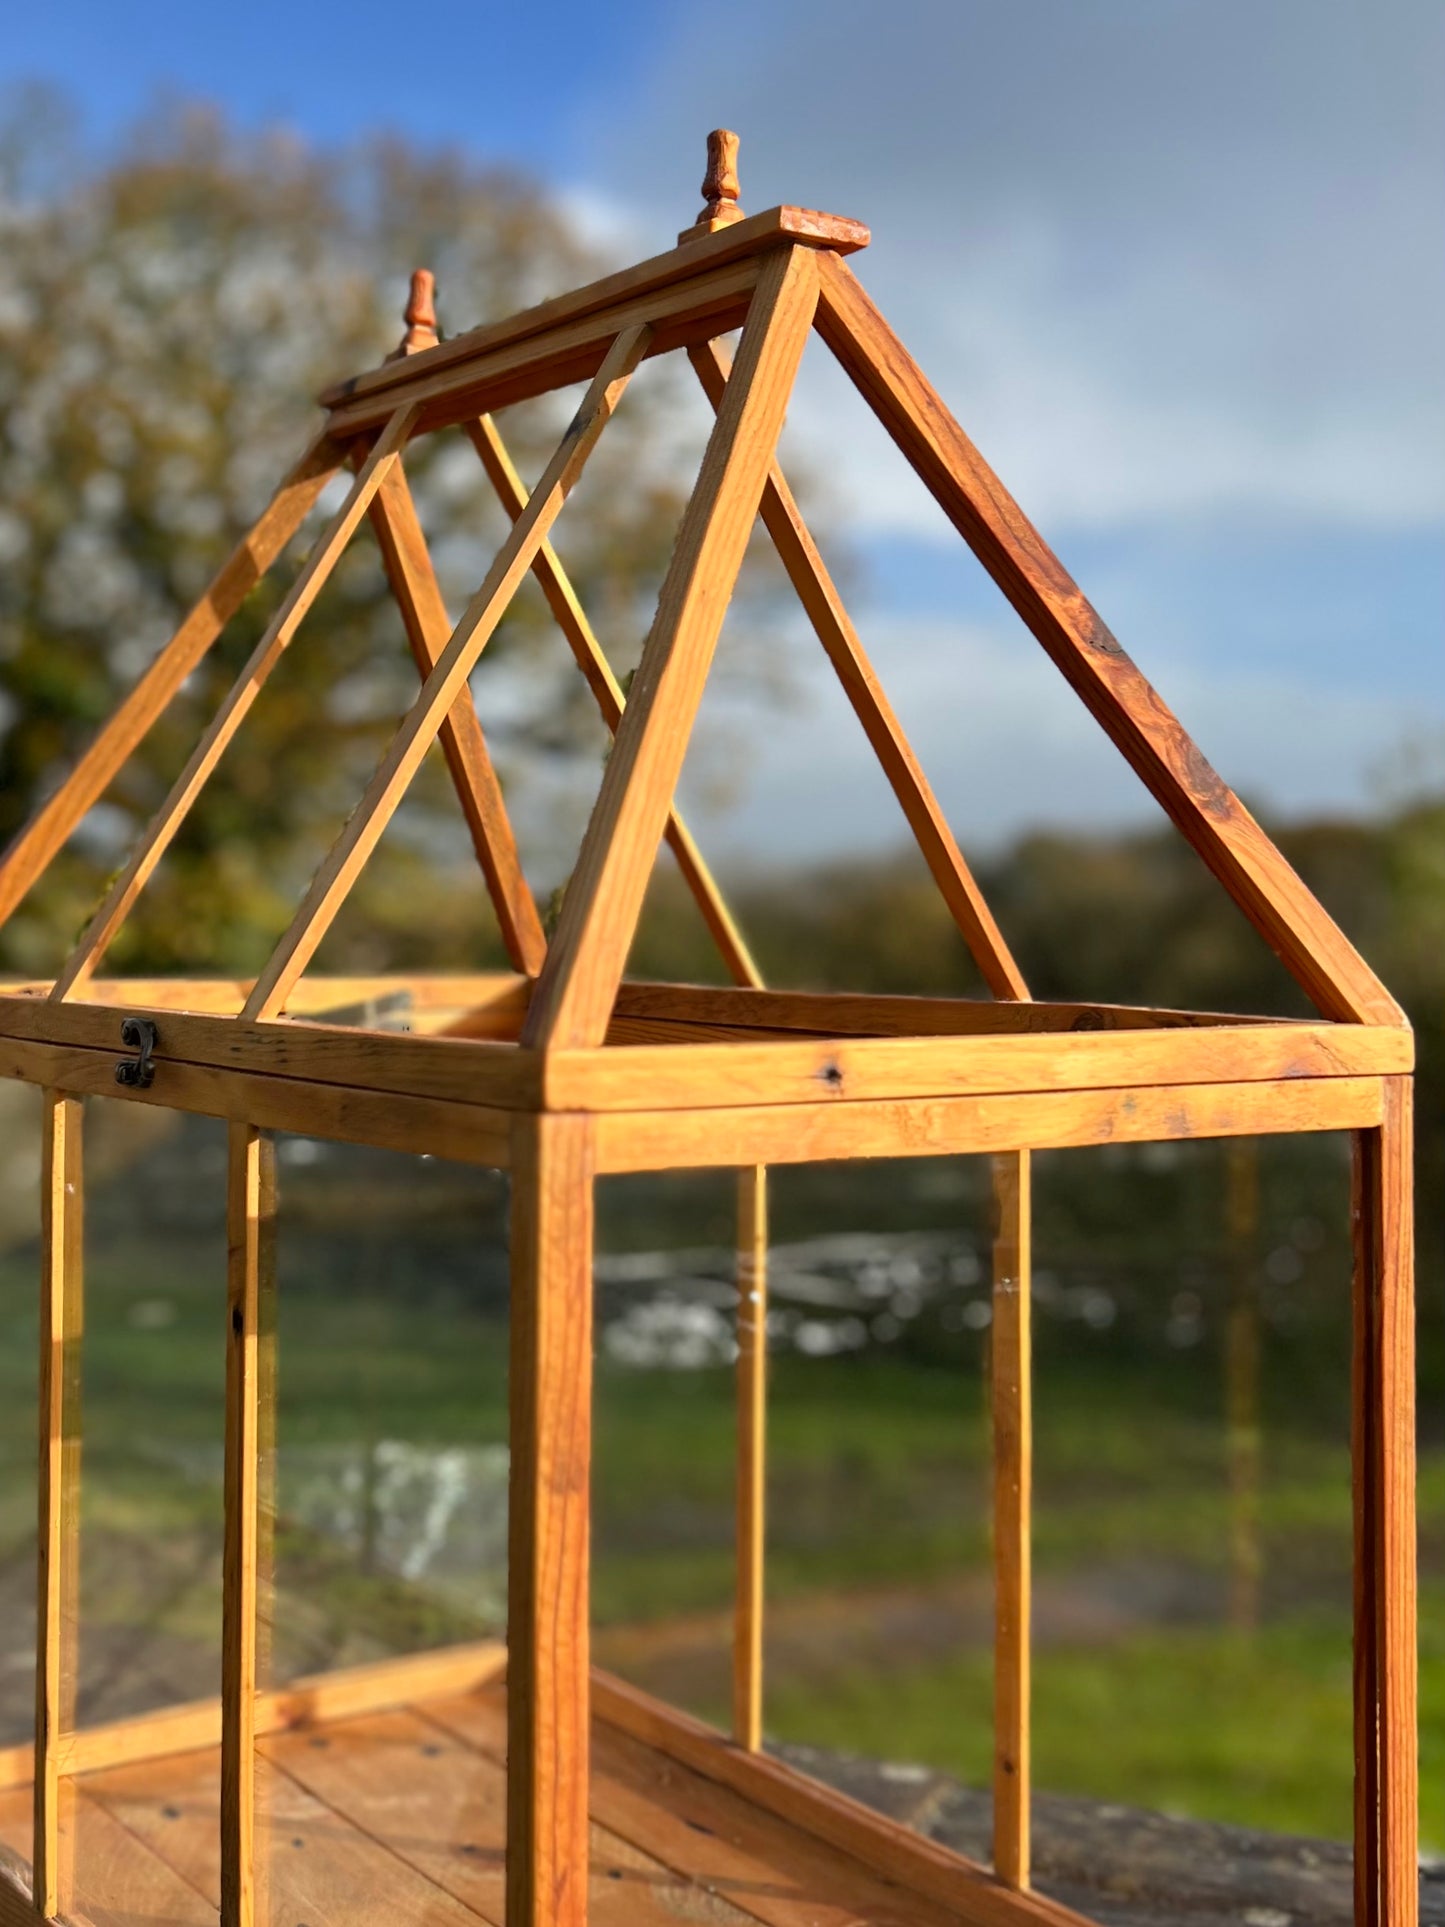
166	318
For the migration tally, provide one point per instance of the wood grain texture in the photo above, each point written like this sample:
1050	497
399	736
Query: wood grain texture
588	653
584	966
778	226
250	1383
62	1322
819	596
428	629
343	1693
363	830
1387	1880
50	827
439	1804
470	1133
949	1127
1011	1407
841	1013
785	1072
463	1070
736	1852
550	1391
752	1409
518	371
1133	715
915	1862
320	1871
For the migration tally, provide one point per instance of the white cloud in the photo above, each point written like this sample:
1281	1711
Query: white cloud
1008	747
1161	259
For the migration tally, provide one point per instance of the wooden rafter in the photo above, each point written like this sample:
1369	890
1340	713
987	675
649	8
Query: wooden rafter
1135	717
454	666
604	897
120	898
248	562
418	594
571	618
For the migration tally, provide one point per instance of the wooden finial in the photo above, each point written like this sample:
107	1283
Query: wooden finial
420	316
719	186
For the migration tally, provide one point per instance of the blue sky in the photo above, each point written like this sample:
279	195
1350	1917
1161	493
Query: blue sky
1176	264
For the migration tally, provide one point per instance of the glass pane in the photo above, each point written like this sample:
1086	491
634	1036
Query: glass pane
664	1435
390	1533
152	1426
391	1425
19	1351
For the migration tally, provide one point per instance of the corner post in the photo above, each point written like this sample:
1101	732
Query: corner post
550	1396
249	1469
62	1299
1387	1877
1011	1397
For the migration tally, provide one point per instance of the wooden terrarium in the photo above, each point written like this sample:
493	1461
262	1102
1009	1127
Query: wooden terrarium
562	1071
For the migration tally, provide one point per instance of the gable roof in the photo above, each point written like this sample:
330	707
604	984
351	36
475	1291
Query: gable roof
778	276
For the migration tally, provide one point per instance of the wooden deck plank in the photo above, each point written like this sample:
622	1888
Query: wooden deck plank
441	1806
770	1871
316	1867
119	1881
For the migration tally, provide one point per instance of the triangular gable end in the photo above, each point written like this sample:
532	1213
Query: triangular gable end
778	275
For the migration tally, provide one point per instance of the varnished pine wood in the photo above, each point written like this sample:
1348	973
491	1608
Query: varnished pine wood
248	562
841	1070
1011	1403
100	931
250	1380
841	1013
316	1698
1134	716
917	1863
550	1393
537	327
62	1320
819	596
1387	1879
449	396
470	1133
752	1376
951	1127
733	1849
581	638
454	666
584	966
428	629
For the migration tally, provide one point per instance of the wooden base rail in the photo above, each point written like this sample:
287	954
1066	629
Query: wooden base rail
349	1691
888	1848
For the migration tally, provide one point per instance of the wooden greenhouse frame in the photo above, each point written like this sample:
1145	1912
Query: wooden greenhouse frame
561	1071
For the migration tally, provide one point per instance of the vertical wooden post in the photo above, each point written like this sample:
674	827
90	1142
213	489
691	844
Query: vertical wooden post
250	1288
62	1300
752	1463
1387	1879
1241	1380
1012	1404
550	1398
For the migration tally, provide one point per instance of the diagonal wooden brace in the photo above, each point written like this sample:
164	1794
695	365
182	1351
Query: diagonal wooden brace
332	882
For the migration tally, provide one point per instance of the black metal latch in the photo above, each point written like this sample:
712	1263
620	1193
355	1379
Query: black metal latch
137	1034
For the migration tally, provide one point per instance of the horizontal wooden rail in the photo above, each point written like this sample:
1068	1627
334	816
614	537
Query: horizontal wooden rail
684	264
340	1695
675	317
468	1133
955	1126
898	1852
